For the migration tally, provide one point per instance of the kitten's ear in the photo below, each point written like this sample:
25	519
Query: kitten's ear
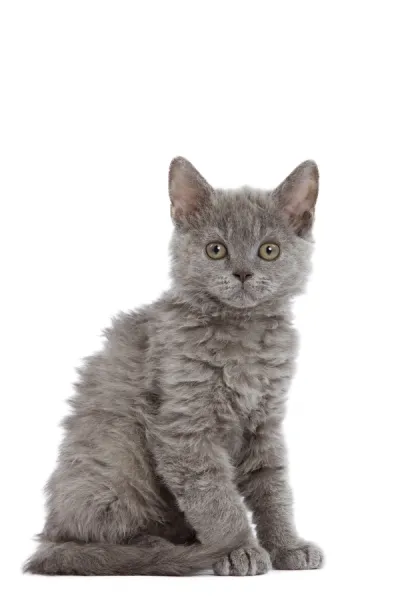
297	196
188	190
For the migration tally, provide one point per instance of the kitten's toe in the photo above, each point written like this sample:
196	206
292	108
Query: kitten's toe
306	556
222	567
240	564
248	560
259	561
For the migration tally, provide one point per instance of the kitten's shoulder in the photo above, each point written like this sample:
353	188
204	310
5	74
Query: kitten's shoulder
126	326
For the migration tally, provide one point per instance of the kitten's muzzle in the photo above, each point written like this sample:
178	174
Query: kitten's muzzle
243	275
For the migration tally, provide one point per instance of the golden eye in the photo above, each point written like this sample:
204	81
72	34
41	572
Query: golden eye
269	251
216	250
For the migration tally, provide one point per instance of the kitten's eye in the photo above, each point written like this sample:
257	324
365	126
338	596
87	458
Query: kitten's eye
269	251
215	250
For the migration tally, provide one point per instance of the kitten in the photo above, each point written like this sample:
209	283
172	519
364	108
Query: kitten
179	418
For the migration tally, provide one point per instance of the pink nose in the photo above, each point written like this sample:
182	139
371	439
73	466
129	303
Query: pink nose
242	275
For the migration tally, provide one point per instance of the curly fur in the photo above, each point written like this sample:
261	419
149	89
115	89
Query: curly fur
176	424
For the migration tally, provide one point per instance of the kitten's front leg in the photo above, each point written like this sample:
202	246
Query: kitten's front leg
265	487
198	472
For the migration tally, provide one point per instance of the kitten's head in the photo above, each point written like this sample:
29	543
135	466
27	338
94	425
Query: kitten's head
241	247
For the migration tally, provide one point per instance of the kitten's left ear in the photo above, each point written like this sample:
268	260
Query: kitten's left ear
297	196
189	192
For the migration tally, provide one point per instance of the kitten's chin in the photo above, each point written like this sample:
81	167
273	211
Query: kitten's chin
239	305
241	299
244	303
210	301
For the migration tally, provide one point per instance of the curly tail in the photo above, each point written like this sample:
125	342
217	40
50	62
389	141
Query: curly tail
156	556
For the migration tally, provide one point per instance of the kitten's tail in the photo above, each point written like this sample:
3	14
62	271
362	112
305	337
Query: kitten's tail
157	557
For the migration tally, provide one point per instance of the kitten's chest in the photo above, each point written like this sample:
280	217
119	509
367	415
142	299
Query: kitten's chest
252	365
232	376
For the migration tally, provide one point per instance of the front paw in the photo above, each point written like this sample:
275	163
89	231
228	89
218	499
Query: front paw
305	556
249	560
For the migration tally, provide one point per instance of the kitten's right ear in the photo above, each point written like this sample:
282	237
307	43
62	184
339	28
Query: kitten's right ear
297	196
188	190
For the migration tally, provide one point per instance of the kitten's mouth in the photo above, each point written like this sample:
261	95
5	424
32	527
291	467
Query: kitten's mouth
242	298
244	291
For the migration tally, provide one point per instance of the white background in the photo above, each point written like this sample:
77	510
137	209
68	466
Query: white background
96	98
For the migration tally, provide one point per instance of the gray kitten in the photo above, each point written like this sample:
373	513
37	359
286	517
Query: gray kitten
176	424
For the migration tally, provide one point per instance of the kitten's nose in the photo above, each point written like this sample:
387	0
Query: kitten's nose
242	275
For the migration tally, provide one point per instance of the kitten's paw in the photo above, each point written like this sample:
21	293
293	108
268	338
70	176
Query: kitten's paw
306	556
249	560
